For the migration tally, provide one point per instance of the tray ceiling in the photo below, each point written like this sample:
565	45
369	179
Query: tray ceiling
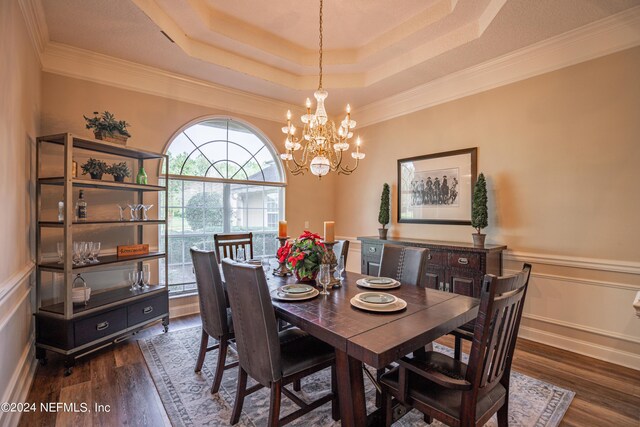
373	49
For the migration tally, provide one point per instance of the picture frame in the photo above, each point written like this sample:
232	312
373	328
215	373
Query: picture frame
437	188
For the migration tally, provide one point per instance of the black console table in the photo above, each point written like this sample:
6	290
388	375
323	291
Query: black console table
453	267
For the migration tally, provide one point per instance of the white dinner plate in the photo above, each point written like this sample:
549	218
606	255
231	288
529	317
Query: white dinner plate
399	305
296	289
365	284
379	298
379	280
281	296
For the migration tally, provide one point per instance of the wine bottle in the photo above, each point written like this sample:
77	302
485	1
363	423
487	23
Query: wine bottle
81	208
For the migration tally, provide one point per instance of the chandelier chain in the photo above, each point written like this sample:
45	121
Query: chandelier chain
320	64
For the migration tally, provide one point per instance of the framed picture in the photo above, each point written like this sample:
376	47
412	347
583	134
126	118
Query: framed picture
437	188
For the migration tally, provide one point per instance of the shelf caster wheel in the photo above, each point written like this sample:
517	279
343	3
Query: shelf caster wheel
166	328
68	371
165	324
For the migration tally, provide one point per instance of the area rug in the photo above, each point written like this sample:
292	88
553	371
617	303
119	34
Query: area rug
188	402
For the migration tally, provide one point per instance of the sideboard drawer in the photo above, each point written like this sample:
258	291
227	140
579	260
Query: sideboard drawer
372	251
464	260
100	325
437	257
147	309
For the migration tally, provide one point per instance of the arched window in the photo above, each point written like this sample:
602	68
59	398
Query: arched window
224	177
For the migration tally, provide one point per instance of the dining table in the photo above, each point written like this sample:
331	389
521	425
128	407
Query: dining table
373	338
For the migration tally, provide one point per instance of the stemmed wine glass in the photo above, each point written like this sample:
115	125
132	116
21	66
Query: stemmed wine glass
134	276
145	209
145	276
266	264
121	209
86	252
77	253
340	268
60	250
324	277
95	251
132	208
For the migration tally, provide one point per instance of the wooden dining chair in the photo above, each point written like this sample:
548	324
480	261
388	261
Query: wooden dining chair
459	394
216	318
341	249
227	245
273	359
403	263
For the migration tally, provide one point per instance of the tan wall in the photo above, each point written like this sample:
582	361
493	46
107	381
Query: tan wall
155	119
560	152
19	115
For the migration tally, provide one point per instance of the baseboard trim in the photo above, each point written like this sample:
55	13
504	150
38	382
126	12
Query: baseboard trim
184	310
608	354
20	384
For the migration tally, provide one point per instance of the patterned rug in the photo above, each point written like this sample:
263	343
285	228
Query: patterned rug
188	402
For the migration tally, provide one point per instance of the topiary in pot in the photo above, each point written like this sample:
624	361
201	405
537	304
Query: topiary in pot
479	211
120	171
95	168
383	215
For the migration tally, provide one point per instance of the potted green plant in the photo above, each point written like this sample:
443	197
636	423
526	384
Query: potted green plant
383	215
479	211
95	168
304	256
120	171
106	127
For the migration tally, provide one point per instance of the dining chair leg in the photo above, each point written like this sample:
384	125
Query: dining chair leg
379	401
204	341
222	359
297	386
274	404
387	408
457	348
240	393
428	419
503	413
335	401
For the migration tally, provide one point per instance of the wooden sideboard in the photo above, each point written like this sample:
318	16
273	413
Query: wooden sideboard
450	266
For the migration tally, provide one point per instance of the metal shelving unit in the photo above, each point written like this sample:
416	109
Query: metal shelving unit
64	314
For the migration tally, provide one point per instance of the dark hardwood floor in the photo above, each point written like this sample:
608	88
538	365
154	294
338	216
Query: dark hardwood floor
606	394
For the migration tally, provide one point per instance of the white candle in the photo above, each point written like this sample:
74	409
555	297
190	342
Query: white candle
329	231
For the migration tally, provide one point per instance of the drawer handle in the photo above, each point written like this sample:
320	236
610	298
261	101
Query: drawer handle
147	310
372	249
102	326
463	261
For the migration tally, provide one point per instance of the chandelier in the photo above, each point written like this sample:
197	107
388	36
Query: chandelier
322	143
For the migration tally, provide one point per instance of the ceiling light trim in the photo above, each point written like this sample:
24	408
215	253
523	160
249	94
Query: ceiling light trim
606	36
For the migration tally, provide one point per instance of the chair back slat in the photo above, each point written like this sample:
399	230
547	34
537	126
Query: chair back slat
496	328
405	264
213	310
227	245
254	321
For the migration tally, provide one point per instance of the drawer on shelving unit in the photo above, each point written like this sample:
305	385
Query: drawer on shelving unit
147	309
100	325
464	260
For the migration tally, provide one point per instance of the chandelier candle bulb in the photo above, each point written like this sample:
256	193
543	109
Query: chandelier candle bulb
329	231
282	229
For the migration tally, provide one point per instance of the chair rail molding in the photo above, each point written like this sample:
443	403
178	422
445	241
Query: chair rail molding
603	37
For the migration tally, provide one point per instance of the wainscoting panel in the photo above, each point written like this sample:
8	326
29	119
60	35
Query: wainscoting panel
17	358
578	304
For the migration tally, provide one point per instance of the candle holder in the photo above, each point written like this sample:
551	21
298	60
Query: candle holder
330	258
282	269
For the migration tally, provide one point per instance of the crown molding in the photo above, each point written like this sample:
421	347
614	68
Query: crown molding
36	23
609	35
86	65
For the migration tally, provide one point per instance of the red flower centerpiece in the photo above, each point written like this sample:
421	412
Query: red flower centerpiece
303	256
